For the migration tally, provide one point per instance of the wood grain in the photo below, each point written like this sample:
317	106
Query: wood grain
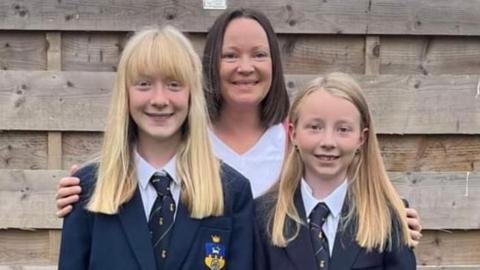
78	101
412	17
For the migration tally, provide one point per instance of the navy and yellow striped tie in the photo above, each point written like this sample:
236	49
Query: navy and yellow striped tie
161	217
319	240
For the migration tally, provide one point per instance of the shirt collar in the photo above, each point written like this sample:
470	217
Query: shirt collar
145	170
334	200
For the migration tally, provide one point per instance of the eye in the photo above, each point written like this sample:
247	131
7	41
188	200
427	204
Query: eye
261	54
174	85
229	56
344	129
143	84
314	127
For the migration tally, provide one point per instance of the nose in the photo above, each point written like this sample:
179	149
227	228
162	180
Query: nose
159	95
328	141
245	65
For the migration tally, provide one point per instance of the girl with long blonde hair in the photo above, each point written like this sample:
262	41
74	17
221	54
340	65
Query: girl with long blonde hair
334	207
158	198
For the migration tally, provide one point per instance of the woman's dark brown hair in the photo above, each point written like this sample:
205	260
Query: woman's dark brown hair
275	105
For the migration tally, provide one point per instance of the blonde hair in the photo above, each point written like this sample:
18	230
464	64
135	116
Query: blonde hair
167	52
373	201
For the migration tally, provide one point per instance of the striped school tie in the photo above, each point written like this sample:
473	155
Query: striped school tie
161	217
319	240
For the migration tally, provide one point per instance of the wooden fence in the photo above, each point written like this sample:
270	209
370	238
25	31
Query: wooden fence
418	61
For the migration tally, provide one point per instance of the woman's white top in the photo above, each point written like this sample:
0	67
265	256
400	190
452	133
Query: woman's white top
261	164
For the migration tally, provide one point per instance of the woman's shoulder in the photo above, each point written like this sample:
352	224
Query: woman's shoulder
87	175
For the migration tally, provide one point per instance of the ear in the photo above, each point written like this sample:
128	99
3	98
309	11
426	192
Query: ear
291	132
363	136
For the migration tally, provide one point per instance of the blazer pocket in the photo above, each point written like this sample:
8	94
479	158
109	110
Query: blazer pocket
368	260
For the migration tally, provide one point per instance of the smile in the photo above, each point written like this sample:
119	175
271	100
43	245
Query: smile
159	115
245	83
327	157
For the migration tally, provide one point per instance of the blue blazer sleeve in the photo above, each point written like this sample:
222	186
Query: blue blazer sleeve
76	232
239	196
401	257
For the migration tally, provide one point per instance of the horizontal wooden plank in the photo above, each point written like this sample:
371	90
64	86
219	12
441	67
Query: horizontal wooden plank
444	200
301	54
19	247
80	147
417	104
23	150
22	50
28	150
413	17
54	101
431	152
78	101
429	55
438	250
91	51
449	248
315	54
27	198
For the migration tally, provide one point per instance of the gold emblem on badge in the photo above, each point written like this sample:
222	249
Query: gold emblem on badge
215	253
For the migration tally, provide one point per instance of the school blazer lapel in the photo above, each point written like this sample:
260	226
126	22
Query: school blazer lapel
134	223
345	249
183	234
300	250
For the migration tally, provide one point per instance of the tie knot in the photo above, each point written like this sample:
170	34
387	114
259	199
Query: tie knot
319	214
161	183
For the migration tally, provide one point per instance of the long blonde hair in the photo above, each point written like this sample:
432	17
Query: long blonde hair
373	201
150	52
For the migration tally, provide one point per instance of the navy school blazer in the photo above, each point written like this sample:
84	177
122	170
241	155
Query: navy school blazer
122	241
299	254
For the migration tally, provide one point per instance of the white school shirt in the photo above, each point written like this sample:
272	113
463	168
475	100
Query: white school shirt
261	164
148	193
334	202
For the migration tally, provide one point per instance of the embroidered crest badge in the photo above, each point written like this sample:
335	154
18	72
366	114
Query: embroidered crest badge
215	253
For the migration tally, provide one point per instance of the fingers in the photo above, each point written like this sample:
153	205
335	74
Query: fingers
74	169
415	237
413	220
64	204
67	193
412	213
67	201
64	211
414	226
66	182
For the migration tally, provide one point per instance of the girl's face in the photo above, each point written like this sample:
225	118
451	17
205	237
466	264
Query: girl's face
327	134
159	107
245	65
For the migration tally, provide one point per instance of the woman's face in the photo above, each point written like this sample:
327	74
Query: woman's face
245	64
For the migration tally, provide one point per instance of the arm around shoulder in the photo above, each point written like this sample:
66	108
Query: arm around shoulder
76	232
401	257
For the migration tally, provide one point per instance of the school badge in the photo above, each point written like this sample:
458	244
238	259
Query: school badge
215	253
